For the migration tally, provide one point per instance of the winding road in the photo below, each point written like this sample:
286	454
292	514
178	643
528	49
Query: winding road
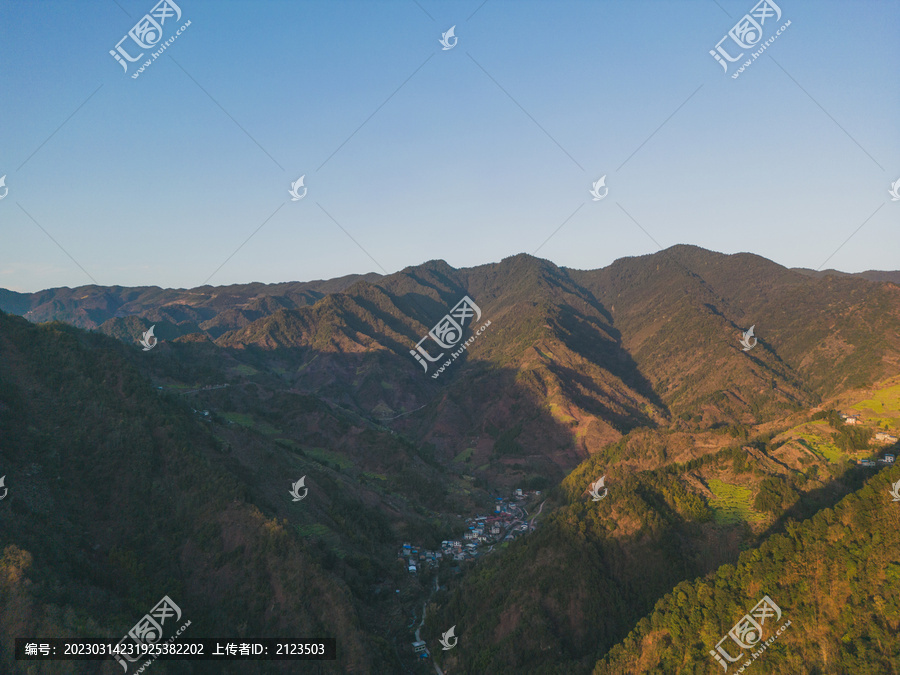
437	668
540	508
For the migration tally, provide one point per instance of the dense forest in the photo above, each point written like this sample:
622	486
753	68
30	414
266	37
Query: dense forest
836	577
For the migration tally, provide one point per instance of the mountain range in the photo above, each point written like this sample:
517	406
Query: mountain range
717	458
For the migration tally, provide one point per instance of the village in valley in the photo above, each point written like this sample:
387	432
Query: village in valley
509	520
880	437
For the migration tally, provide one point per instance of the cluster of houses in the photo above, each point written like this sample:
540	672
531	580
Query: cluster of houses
415	559
881	436
506	522
887	459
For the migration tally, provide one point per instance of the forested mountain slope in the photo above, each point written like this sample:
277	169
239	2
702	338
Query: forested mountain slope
835	577
118	495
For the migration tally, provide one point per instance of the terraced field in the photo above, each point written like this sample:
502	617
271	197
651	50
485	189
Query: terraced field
732	503
248	421
816	437
883	408
326	456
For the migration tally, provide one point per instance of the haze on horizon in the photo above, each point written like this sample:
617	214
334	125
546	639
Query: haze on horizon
305	280
412	152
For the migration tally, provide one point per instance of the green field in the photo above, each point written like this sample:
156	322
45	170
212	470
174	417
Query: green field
326	456
244	370
464	455
239	418
885	404
267	429
246	420
820	445
732	503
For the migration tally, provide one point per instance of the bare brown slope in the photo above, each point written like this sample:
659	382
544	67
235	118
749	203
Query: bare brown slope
549	371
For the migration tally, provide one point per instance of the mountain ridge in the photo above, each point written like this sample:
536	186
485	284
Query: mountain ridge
634	372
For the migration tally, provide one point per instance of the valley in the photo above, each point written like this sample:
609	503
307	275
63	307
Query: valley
136	474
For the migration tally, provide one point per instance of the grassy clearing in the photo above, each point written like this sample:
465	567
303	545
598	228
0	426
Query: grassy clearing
244	370
885	404
820	446
815	436
464	455
326	456
313	530
247	421
267	429
382	411
377	476
323	532
239	418
559	415
732	503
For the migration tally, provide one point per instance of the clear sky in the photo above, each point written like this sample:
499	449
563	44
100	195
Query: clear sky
412	152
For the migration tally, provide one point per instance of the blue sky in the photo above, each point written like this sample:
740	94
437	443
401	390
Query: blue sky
413	153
